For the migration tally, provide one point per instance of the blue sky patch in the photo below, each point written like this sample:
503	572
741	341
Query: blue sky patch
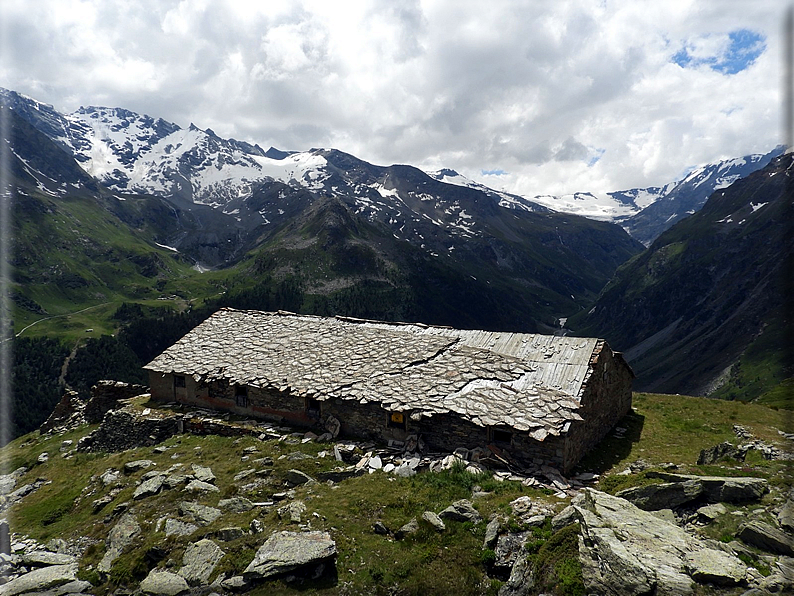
493	172
733	54
594	158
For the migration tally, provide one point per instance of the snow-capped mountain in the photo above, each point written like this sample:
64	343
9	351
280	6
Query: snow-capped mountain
134	153
504	199
647	212
357	238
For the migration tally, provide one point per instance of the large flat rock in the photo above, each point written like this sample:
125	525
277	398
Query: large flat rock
663	496
163	583
767	538
626	551
720	489
285	552
199	561
39	580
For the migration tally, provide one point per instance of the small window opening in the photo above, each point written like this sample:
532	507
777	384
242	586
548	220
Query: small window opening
313	406
397	420
502	436
241	395
179	381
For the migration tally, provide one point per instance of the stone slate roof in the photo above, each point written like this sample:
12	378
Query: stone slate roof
525	381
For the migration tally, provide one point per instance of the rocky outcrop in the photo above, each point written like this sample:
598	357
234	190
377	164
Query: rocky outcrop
766	538
663	496
627	551
287	552
68	413
40	580
119	538
719	489
716	453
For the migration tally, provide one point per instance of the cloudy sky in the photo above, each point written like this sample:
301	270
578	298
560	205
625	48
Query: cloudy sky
530	96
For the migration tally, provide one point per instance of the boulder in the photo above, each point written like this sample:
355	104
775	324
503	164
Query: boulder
41	558
785	516
174	527
492	533
625	551
197	486
508	548
291	552
201	514
229	534
410	528
380	528
564	518
718	489
163	583
296	477
199	561
708	513
766	538
109	476
136	466
434	520
41	579
236	504
203	474
716	453
119	538
462	511
715	567
149	487
521	580
292	510
663	496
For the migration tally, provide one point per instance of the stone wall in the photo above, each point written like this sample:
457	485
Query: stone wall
105	396
121	430
605	400
68	412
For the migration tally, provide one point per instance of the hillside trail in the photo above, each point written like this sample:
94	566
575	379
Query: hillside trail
65	366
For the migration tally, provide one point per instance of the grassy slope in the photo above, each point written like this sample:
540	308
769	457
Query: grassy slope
662	428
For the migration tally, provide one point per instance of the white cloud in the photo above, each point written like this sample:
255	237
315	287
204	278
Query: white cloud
561	96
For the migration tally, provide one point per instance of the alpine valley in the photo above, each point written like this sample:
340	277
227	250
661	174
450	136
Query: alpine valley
124	224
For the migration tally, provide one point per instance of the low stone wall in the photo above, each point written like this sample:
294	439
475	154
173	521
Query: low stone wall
122	429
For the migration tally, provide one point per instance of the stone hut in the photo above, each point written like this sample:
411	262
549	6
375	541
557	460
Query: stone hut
536	398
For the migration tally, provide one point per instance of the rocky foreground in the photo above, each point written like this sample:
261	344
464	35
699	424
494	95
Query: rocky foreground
185	523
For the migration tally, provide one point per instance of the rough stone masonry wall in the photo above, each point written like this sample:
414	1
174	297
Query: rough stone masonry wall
105	396
222	396
121	430
442	432
605	400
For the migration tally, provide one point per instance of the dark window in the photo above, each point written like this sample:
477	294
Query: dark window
312	406
397	420
179	381
241	395
501	436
